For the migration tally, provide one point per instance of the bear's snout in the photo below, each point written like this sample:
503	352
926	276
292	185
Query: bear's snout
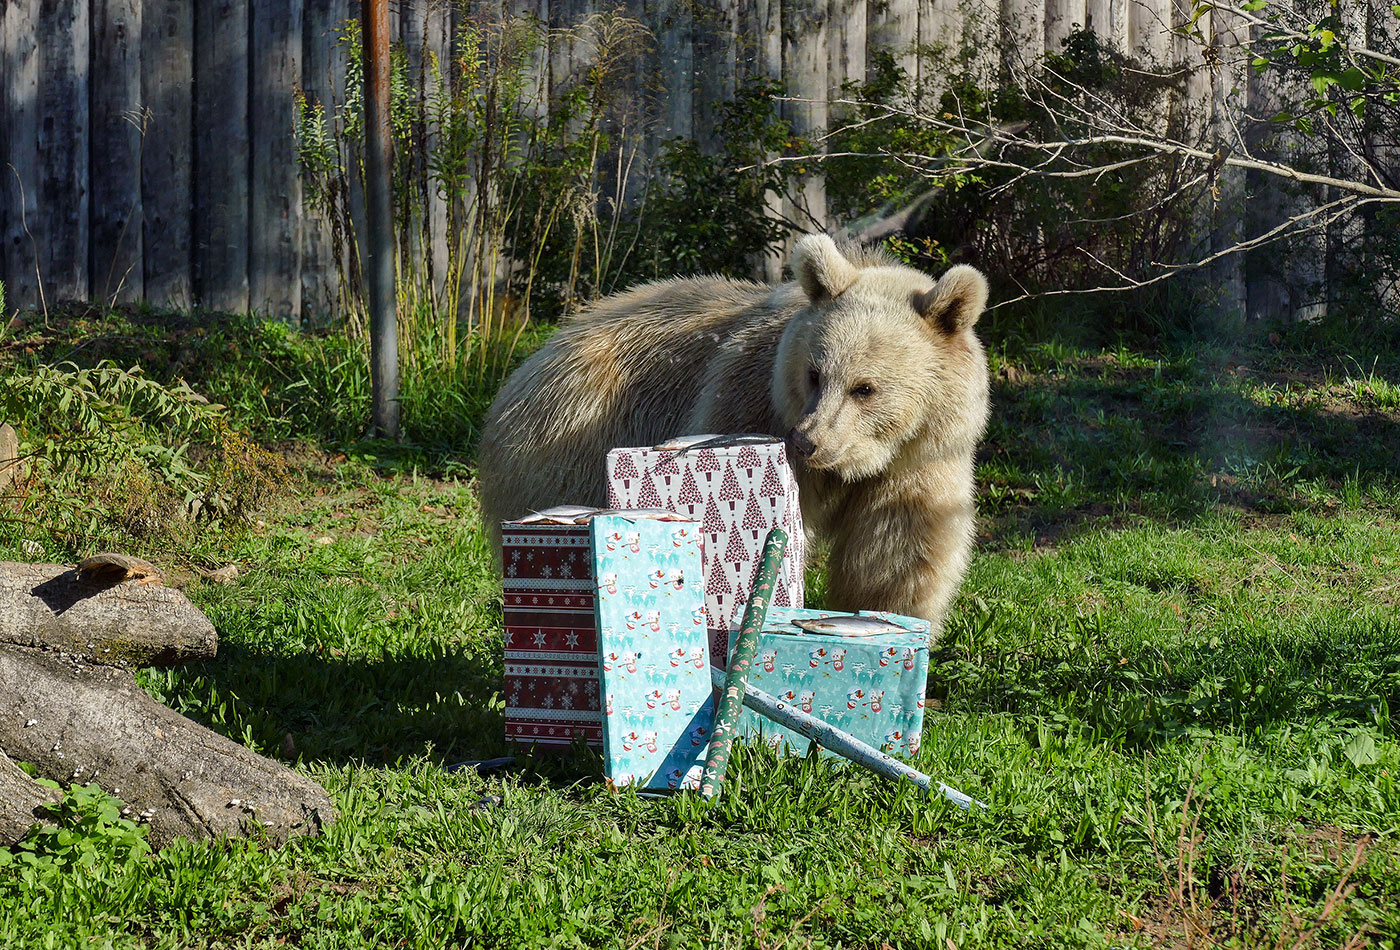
800	444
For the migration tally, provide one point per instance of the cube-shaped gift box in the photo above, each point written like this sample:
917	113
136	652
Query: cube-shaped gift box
607	593
871	686
737	487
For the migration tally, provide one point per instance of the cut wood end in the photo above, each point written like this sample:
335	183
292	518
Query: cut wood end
115	568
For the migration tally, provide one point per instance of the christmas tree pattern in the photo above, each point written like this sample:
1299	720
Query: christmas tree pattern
712	523
707	463
772	485
717	584
753	518
748	459
667	465
648	498
626	469
689	494
729	490
781	596
736	552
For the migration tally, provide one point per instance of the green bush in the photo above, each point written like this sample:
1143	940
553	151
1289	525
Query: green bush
109	453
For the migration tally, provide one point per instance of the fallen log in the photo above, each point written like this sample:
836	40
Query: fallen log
80	723
100	619
21	802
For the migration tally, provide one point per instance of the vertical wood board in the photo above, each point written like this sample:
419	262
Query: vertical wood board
19	186
221	163
846	44
62	203
118	119
893	26
167	156
322	82
275	213
1062	17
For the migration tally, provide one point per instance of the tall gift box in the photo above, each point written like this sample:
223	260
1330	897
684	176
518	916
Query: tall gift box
869	686
654	655
619	595
551	648
737	492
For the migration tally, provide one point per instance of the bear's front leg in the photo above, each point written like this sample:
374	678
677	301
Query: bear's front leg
901	547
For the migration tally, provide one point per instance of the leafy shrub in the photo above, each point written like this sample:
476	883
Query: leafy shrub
109	452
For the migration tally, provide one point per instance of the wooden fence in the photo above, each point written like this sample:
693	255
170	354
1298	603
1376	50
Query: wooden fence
147	146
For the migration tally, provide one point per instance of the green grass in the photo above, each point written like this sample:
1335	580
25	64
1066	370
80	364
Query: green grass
1170	675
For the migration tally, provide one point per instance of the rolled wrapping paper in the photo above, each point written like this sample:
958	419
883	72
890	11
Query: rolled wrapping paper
730	704
842	743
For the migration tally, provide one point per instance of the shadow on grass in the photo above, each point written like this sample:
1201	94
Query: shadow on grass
445	704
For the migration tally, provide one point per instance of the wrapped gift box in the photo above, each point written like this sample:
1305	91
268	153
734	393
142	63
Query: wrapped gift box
551	639
737	492
652	638
871	687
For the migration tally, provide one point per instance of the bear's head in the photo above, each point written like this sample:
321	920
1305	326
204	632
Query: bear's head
881	370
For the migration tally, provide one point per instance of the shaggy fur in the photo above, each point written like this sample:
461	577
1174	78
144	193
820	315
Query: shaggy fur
870	368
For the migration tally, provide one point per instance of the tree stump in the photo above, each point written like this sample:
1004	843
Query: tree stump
70	706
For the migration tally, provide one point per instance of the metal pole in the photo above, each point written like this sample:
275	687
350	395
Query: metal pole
383	320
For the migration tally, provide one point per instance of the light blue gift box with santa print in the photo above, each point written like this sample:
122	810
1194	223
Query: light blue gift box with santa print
653	649
869	686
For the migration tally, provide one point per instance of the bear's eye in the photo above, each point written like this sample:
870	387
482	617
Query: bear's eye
813	377
863	391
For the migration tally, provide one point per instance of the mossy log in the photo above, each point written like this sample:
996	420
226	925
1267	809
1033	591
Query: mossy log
70	706
53	607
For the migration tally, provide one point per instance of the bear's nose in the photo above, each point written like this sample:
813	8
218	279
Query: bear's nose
801	446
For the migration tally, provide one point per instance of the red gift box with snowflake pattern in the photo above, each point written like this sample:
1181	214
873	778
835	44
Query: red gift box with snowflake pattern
737	493
551	649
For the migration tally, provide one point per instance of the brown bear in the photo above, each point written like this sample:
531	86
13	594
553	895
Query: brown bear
869	368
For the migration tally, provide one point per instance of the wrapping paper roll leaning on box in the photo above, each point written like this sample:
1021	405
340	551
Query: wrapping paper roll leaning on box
737	492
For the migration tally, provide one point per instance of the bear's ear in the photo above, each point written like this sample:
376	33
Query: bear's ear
956	301
821	268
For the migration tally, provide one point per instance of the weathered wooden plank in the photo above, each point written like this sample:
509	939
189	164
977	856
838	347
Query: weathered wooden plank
118	118
674	25
1022	33
716	64
221	181
846	44
1062	17
893	25
1110	20
1150	29
275	212
167	155
63	196
19	187
940	35
805	58
322	82
761	59
438	43
1098	16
